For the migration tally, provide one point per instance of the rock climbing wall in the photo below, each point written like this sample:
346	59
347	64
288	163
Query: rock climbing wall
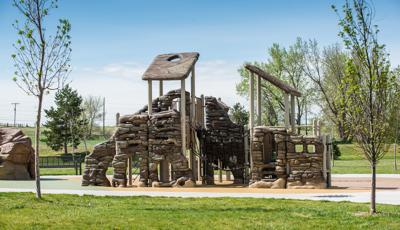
97	163
298	163
223	140
149	139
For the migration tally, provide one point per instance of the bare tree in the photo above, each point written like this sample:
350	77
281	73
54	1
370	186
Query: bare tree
326	70
370	86
41	60
92	107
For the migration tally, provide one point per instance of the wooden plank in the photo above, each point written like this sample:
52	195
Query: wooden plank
273	80
173	66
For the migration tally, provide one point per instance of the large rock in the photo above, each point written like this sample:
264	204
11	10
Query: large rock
17	157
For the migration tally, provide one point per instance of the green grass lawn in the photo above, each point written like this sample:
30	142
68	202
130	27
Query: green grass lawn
352	161
22	211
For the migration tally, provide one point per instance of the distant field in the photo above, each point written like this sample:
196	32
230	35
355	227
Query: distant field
47	151
353	161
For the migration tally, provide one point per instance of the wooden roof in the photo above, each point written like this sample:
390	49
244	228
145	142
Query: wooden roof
174	66
273	80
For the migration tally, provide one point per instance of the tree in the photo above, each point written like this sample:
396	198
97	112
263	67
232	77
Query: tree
65	124
326	71
239	114
287	65
41	60
92	111
369	85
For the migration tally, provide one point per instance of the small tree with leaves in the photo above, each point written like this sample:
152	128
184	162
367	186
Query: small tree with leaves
41	60
239	114
370	87
65	125
92	111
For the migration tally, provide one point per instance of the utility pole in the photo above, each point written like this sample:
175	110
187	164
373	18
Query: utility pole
15	112
104	116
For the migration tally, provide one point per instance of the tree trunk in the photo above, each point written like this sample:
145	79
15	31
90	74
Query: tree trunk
342	134
37	142
65	147
373	189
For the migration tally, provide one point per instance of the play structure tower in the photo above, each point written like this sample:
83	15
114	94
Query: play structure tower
281	157
178	139
175	67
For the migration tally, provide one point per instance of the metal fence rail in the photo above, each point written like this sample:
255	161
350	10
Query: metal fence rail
64	161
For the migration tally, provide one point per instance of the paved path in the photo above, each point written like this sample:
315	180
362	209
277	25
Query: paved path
71	185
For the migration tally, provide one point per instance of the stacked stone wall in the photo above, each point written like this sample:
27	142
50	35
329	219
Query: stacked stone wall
298	163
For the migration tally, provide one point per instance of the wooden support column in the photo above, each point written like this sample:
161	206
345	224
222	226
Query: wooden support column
164	165
258	101
251	120
192	122
292	113
150	98
287	106
130	170
183	116
161	88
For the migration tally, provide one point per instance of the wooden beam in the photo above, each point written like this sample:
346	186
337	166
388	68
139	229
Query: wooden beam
183	116
258	101
292	113
286	99
273	80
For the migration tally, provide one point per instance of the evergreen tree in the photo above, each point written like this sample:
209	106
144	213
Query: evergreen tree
65	125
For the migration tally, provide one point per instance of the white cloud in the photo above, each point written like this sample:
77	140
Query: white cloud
125	92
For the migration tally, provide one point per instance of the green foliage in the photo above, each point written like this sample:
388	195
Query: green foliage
369	86
336	150
64	124
286	64
239	114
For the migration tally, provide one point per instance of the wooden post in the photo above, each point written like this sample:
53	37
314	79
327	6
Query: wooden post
192	122
161	88
251	98
219	171
258	101
324	169
129	170
164	166
183	116
286	99
293	111
117	119
251	120
315	127
150	98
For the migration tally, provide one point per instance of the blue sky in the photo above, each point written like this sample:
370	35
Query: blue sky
114	41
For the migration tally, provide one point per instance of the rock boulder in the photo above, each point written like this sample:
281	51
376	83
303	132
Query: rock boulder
17	157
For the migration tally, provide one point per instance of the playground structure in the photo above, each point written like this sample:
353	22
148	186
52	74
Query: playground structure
178	139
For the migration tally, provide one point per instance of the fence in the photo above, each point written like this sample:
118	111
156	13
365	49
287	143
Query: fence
64	161
20	125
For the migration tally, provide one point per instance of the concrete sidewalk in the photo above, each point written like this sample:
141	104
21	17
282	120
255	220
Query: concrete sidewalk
71	185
